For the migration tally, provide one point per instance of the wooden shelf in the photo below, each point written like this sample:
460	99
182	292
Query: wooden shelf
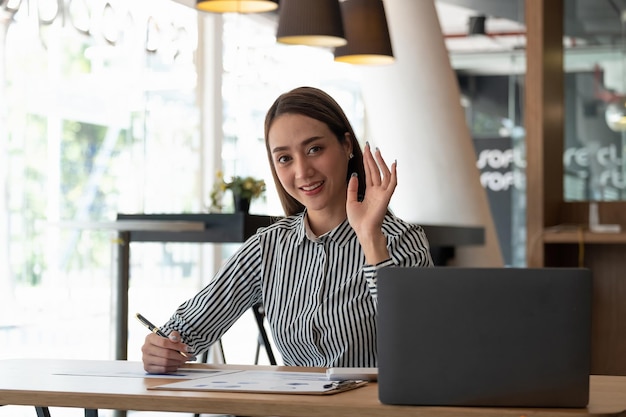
574	236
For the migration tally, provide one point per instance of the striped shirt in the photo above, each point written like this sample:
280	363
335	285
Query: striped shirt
319	295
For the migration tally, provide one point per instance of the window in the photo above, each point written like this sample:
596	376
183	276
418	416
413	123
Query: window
99	117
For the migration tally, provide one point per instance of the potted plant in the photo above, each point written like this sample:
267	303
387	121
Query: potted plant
243	189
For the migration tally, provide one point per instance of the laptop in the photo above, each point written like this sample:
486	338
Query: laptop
506	337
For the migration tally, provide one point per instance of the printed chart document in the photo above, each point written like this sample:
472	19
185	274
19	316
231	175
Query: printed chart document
275	382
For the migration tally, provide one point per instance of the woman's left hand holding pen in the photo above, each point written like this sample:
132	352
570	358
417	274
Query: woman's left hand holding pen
164	354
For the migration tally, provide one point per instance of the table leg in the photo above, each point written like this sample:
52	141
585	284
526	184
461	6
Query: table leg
45	412
120	306
121	296
42	411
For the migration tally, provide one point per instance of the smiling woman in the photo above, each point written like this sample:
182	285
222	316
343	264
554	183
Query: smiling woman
315	269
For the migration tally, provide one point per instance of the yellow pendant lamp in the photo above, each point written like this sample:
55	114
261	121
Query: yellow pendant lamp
236	6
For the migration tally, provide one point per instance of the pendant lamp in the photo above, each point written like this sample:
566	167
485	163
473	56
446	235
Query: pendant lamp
616	115
310	22
365	24
236	6
616	110
476	25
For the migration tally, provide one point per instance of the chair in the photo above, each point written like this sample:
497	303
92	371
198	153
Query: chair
259	315
263	339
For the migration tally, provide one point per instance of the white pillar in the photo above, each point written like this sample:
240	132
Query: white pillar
415	116
7	295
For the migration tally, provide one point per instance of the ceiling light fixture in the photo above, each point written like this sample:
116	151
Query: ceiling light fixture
615	115
366	29
310	22
236	6
476	25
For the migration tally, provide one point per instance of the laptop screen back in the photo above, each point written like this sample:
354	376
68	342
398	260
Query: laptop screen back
484	336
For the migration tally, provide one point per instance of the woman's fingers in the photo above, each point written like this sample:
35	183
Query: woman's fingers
371	169
160	354
384	169
377	170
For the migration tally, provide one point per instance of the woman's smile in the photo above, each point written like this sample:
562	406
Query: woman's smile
312	188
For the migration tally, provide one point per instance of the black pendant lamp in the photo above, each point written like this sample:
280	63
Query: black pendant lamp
236	6
365	25
310	22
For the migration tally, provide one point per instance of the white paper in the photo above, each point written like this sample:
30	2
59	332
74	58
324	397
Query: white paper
264	381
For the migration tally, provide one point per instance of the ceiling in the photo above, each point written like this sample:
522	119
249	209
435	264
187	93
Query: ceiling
593	32
588	23
593	35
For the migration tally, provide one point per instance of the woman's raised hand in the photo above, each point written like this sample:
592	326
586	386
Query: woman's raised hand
366	217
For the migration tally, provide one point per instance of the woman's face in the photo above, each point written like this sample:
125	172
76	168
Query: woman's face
310	162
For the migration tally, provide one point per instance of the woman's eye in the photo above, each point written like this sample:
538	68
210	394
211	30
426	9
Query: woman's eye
283	159
315	149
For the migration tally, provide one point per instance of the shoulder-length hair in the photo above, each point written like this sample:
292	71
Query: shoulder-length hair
316	104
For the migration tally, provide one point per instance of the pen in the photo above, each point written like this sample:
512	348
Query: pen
342	384
154	329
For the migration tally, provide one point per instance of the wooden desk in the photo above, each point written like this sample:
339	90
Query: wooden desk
39	383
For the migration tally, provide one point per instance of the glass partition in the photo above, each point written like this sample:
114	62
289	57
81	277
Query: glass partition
595	92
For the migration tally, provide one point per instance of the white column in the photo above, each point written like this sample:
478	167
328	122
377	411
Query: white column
415	116
209	68
7	296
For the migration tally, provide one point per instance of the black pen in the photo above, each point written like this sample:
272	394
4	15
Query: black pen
342	384
154	329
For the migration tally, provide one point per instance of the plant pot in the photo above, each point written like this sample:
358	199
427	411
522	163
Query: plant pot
241	204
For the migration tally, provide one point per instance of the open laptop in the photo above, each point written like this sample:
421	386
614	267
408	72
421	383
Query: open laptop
509	337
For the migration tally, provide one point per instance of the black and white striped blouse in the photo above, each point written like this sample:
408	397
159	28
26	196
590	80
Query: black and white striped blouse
319	294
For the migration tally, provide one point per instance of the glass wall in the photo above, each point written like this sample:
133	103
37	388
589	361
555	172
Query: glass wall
595	95
493	107
98	117
594	152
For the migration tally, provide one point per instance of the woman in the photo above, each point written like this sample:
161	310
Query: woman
315	269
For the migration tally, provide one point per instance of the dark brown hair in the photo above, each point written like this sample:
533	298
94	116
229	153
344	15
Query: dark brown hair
314	103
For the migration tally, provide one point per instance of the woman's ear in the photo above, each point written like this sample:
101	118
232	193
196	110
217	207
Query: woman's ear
347	144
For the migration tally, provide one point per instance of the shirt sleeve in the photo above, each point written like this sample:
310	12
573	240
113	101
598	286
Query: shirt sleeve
371	272
236	287
408	247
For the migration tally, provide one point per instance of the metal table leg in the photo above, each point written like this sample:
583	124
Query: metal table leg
120	303
121	296
42	411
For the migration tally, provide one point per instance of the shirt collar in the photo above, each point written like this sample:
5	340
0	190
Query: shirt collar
340	234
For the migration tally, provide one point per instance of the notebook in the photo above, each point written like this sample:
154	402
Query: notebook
509	337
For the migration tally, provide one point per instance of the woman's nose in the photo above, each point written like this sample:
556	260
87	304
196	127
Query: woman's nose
303	168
